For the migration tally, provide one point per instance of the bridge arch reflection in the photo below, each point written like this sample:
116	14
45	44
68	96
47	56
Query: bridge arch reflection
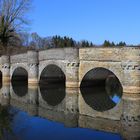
101	89
52	85
19	81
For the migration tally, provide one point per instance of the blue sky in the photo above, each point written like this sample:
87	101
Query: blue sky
93	20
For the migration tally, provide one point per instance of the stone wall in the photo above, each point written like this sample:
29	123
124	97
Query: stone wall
75	63
20	58
100	54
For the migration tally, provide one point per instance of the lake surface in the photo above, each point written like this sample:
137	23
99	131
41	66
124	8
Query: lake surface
23	126
50	113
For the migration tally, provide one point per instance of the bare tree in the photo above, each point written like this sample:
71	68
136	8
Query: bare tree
12	19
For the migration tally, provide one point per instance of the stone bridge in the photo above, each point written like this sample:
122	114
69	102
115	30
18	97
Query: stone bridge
85	66
75	63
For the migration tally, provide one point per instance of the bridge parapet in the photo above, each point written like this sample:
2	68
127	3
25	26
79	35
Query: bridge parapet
19	58
100	54
52	54
59	54
131	53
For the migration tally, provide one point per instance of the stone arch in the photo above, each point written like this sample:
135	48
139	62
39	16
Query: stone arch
52	70
104	70
85	68
15	66
101	89
19	81
52	85
58	63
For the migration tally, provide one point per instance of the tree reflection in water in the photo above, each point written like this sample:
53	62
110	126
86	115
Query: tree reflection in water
6	118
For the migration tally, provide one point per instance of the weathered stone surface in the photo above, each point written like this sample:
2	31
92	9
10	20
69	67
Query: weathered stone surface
32	57
130	54
19	58
52	54
100	54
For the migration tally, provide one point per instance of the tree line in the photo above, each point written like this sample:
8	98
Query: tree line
107	43
25	41
33	40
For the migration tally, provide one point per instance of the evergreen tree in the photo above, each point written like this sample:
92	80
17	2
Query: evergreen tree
121	43
106	43
113	44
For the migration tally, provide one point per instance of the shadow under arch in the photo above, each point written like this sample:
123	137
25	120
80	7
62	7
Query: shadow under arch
19	81
101	89
52	85
0	79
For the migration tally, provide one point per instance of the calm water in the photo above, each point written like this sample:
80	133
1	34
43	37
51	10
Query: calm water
50	112
22	126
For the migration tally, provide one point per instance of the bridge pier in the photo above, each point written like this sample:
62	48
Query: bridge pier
131	70
33	94
130	118
5	60
33	67
72	79
71	107
5	94
72	67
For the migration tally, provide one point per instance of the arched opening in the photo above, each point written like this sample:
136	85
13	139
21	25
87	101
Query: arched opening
20	81
52	85
52	74
0	79
101	89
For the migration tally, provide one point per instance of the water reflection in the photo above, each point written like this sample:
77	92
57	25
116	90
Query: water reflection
6	118
20	82
5	94
36	128
101	89
53	94
27	102
32	115
97	98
